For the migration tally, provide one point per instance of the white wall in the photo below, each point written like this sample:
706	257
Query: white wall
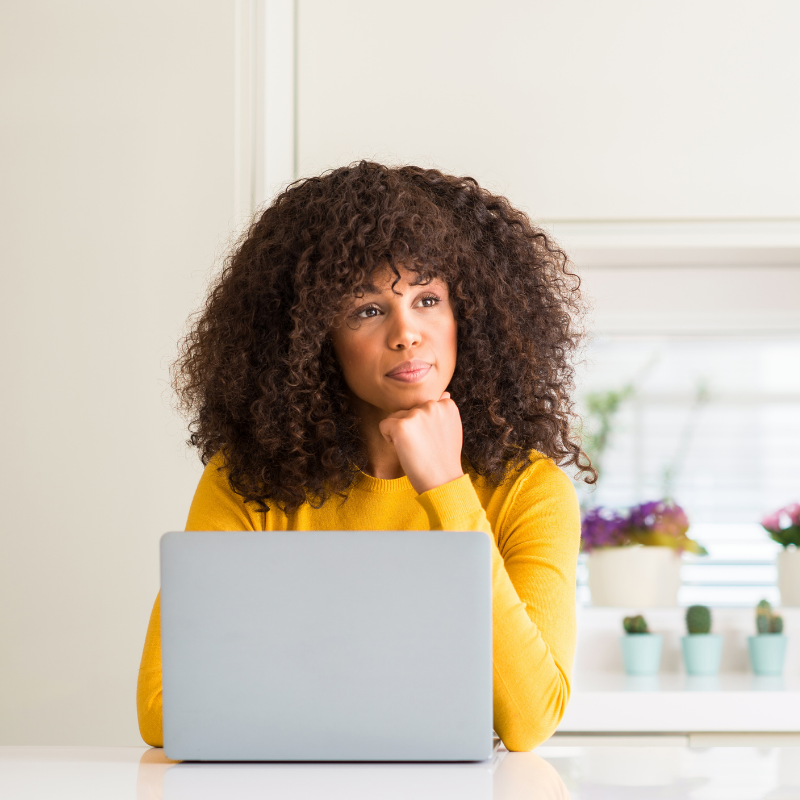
575	109
117	197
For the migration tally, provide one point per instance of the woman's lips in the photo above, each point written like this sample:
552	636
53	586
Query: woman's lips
409	371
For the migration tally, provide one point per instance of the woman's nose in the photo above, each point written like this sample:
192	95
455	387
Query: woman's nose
404	334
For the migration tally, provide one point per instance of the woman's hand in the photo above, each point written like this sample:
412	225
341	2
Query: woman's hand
428	441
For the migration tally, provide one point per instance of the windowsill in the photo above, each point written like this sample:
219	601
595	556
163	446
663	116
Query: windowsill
675	702
725	682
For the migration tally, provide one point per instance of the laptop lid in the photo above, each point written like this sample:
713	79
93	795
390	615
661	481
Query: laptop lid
326	645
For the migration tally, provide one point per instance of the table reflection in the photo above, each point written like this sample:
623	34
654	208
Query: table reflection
677	773
507	776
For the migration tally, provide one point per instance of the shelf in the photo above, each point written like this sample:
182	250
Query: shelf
674	702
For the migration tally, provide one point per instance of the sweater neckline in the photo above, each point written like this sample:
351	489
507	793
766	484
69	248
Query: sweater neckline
383	485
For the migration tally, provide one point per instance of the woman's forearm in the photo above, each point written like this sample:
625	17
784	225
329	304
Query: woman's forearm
531	688
148	687
533	605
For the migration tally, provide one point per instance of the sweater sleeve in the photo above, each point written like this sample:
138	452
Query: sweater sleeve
534	557
215	507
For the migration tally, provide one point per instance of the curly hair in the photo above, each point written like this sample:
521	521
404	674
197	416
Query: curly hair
257	373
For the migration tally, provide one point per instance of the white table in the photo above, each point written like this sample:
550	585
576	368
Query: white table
579	773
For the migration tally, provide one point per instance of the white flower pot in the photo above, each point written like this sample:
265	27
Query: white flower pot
634	577
789	576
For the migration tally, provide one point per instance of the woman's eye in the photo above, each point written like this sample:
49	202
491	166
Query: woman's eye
367	313
429	300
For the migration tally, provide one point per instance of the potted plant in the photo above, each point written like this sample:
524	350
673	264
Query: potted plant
635	555
783	526
768	647
702	649
641	649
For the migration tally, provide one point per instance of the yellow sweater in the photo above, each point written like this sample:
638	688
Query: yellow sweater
534	524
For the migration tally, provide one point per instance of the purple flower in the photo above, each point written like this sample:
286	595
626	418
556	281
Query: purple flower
602	527
658	516
656	523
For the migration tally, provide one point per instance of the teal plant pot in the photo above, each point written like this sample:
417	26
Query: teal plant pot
767	651
641	653
702	653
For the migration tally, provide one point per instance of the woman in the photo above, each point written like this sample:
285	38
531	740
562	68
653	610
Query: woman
389	349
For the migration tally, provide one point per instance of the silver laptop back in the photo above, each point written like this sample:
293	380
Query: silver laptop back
326	645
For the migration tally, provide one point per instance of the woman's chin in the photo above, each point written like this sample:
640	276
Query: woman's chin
411	399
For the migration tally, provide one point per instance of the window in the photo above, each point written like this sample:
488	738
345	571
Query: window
714	422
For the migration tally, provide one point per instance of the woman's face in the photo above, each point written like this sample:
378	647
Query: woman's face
397	349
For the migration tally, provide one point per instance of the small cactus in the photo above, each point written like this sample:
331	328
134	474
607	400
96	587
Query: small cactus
698	619
766	621
635	624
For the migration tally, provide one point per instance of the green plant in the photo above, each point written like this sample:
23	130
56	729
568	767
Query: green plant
601	408
766	621
635	624
698	619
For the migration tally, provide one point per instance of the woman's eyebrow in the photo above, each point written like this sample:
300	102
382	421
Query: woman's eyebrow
371	288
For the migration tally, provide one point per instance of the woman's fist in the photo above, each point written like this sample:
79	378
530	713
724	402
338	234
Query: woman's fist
428	440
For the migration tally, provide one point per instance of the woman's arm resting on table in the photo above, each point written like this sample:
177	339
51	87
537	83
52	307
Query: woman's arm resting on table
215	507
533	594
148	688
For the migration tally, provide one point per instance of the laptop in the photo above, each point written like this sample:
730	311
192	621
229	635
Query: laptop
327	645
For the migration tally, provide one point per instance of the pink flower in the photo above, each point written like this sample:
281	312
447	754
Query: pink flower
772	522
783	525
786	517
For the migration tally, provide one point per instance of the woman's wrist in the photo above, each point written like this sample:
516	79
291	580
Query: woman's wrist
454	506
427	482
